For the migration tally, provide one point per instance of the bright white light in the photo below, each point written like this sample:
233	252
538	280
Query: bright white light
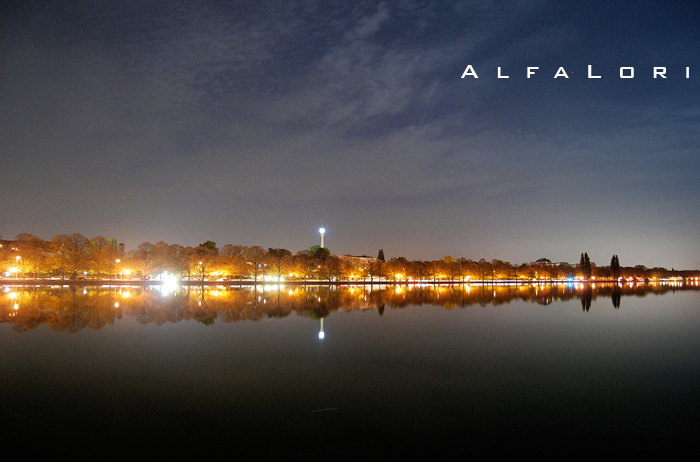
322	230
169	283
273	279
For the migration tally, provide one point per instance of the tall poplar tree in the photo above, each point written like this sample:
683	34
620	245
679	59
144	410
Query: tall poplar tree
380	255
615	266
588	265
585	265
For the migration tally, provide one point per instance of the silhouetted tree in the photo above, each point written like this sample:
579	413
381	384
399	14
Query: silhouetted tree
615	266
585	265
211	245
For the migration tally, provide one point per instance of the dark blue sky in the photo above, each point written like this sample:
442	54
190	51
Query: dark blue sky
255	122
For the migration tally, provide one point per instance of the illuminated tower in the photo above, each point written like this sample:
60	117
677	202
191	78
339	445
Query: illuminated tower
323	233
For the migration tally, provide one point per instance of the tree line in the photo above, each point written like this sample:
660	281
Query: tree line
74	256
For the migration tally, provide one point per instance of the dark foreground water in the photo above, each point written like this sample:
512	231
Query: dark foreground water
480	370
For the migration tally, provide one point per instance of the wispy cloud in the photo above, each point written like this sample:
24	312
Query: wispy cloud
237	102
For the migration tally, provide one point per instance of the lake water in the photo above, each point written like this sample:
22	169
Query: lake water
366	371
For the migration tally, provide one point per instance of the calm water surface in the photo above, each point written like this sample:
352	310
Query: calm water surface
352	371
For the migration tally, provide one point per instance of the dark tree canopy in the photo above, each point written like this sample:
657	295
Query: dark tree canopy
209	245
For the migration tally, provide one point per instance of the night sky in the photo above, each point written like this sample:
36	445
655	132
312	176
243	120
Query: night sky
255	123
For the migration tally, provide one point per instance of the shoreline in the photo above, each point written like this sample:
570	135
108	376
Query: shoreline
73	282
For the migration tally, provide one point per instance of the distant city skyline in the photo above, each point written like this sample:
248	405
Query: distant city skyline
257	123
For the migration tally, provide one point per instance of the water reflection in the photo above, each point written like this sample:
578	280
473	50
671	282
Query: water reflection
74	308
